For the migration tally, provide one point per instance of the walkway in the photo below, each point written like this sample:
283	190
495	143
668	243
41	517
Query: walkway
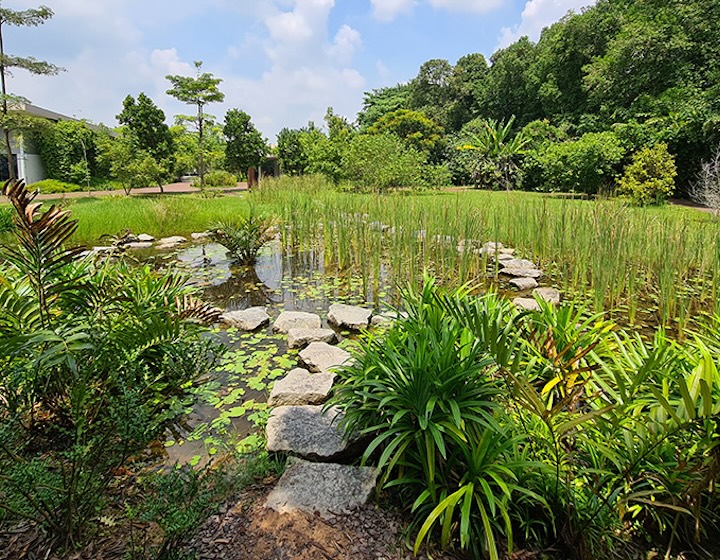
172	188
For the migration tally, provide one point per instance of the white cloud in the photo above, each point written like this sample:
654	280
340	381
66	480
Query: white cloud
537	15
476	6
388	10
346	43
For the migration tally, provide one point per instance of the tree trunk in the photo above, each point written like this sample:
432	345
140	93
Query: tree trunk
201	159
6	132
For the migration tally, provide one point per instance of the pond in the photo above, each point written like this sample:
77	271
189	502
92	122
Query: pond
230	403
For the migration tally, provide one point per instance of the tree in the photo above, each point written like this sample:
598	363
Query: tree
245	146
19	18
291	153
133	167
414	128
380	102
145	122
198	91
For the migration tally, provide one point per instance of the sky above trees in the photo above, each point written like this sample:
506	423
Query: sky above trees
282	61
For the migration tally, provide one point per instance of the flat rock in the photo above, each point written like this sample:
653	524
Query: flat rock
550	295
522	272
298	338
247	319
301	387
173	240
322	488
519	263
493	246
200	235
306	431
145	238
320	356
349	316
507	251
505	257
527	304
523	283
138	245
296	320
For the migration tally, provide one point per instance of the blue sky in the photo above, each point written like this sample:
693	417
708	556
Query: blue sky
282	61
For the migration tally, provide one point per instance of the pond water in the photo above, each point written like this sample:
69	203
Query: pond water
230	403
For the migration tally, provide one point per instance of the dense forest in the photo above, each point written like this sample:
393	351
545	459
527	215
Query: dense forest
596	88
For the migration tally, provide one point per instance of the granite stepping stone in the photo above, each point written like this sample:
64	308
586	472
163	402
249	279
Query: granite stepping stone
550	295
301	387
526	304
349	316
296	320
320	356
322	488
298	338
521	272
247	319
523	283
306	431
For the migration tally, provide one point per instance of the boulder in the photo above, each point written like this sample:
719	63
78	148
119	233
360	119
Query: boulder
247	319
521	272
296	320
522	283
306	431
173	240
526	304
349	316
145	238
200	235
550	295
298	338
320	356
301	387
138	245
322	488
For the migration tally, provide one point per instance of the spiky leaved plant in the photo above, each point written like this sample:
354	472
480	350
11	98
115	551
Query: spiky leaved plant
244	237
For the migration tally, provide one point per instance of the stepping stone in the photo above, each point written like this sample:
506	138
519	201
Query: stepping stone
381	320
504	257
138	245
322	488
296	320
301	387
493	246
201	235
550	295
174	240
298	338
522	272
349	316
523	283
320	356
526	304
306	431
507	251
145	238
247	319
519	263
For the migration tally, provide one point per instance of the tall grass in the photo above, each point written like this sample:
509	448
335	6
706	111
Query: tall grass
647	265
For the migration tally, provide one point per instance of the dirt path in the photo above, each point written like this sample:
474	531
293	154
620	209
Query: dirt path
172	188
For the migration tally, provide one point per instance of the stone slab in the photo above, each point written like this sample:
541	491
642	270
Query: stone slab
138	245
521	272
306	431
320	356
349	316
200	235
322	488
299	338
526	304
247	319
519	263
173	240
296	320
550	295
301	387
523	283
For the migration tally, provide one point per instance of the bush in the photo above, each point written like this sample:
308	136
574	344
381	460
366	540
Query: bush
584	165
220	178
243	238
650	177
96	361
51	186
381	162
6	220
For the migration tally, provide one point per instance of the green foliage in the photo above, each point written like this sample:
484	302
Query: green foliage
69	151
220	178
96	362
132	167
244	237
55	186
650	178
245	146
415	128
6	220
291	153
381	162
495	154
379	102
585	165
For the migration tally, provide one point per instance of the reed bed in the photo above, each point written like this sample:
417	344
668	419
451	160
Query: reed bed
644	266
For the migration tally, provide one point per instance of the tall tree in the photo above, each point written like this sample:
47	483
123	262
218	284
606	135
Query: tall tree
19	18
382	101
291	152
146	125
245	145
198	91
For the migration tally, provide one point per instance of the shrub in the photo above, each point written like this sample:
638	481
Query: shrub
96	361
584	165
650	177
220	178
705	189
6	220
245	237
51	186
